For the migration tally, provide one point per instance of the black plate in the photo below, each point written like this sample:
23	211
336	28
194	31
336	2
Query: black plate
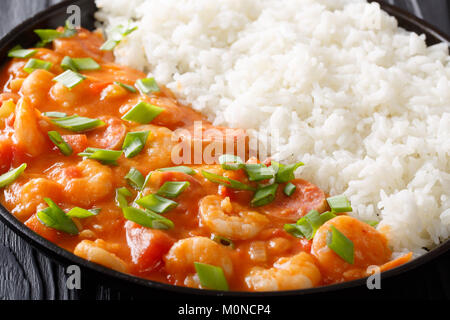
55	16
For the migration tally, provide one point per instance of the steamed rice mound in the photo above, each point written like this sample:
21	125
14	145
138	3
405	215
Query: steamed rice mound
364	103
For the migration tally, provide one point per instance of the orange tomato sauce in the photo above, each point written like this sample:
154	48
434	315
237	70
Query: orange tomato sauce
108	238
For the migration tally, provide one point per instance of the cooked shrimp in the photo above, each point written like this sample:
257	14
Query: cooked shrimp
216	214
181	257
86	183
27	198
370	248
91	251
297	272
37	87
27	132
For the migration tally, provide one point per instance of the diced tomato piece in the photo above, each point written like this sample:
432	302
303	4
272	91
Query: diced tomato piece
6	154
78	142
48	233
148	246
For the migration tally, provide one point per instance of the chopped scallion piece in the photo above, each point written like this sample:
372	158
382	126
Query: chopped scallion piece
79	64
285	173
54	217
264	195
48	35
11	176
156	203
172	189
121	197
211	277
34	64
77	123
147	85
294	230
135	179
372	223
81	213
231	162
134	143
307	226
109	45
69	78
340	244
147	218
19	52
126	86
183	169
143	113
104	156
339	204
118	33
63	146
54	114
258	172
289	189
230	183
223	241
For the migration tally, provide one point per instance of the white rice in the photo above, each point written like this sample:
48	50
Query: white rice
364	103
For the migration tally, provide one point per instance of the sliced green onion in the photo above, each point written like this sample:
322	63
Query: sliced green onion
135	179
126	86
67	63
339	204
143	112
294	230
285	173
231	162
211	277
183	169
289	189
372	223
118	33
307	226
172	189
86	64
77	123
81	213
69	78
340	244
48	35
19	52
147	218
54	114
103	155
134	143
121	197
230	183
63	146
11	176
156	203
147	85
223	241
109	45
34	64
79	64
264	195
54	217
258	172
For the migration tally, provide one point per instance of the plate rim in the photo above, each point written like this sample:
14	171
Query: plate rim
65	257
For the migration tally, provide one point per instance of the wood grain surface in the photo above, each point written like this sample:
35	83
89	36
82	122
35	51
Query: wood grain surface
27	274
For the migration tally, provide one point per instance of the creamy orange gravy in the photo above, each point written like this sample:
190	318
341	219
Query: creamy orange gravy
108	238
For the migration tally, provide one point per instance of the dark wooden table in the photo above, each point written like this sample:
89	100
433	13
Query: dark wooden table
27	274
